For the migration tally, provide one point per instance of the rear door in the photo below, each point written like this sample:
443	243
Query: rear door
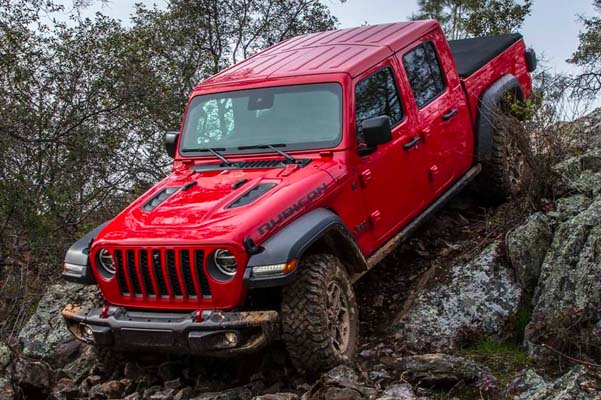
393	180
442	112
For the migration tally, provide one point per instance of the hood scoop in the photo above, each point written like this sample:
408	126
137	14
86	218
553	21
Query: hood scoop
159	198
251	195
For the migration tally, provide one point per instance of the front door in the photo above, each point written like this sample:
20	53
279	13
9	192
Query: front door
393	178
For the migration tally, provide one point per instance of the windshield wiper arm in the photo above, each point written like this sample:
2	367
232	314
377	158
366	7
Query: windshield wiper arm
215	153
272	147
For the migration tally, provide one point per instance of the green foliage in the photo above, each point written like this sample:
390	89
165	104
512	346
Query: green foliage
504	358
83	105
469	18
588	55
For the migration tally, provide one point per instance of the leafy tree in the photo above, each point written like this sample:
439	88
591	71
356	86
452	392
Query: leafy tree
588	56
83	104
469	18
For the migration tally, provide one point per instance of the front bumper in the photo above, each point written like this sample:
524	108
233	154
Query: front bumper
126	329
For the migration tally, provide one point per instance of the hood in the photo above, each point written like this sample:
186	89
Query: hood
216	206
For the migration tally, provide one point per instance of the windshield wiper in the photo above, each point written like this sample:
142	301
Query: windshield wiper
215	152
272	147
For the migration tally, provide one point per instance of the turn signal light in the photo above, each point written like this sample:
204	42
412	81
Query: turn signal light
266	270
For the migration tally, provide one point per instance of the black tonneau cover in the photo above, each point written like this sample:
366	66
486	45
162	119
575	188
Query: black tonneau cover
472	54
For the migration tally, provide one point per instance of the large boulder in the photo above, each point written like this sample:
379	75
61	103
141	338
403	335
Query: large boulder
580	174
567	300
45	335
577	384
527	246
459	305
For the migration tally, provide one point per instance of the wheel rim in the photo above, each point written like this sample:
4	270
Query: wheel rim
338	317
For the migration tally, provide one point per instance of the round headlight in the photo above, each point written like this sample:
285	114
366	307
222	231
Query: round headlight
225	262
105	263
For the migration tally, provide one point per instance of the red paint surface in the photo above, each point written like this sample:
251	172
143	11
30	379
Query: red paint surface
386	189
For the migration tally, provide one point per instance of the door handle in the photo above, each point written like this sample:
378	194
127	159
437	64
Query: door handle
411	144
449	114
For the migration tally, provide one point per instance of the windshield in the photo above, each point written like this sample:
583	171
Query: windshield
295	117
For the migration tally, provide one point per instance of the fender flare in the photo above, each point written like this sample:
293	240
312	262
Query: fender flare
77	267
487	108
292	241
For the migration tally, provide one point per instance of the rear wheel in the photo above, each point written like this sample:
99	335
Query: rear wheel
320	323
508	172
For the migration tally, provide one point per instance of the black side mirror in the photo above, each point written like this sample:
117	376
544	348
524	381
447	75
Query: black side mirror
376	131
171	142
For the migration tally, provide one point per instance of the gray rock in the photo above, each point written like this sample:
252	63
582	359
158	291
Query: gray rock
277	396
167	394
569	207
6	356
580	174
577	384
183	394
28	374
440	369
45	335
527	246
65	388
569	289
107	390
525	384
173	384
340	383
240	393
399	391
473	299
84	365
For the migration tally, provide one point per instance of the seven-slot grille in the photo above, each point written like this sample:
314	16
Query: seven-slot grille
167	273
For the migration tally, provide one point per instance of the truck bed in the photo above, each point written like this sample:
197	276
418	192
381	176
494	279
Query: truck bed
472	54
481	61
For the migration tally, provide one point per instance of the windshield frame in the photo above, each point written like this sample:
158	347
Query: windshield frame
294	147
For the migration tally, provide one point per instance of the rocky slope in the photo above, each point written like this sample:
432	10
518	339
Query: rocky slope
479	303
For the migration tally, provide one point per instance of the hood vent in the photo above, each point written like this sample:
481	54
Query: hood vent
159	198
258	164
251	195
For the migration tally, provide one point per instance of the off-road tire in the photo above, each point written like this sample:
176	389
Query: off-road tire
508	172
307	315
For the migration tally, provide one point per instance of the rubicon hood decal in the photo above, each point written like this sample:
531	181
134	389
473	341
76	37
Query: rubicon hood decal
292	209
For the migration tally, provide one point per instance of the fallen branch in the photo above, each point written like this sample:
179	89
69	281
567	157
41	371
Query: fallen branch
576	360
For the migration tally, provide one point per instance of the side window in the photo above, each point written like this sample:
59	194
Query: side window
424	72
375	96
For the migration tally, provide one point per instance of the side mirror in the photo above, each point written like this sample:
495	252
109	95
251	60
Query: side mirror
171	142
376	131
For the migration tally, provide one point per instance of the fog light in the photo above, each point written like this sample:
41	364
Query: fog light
87	334
231	338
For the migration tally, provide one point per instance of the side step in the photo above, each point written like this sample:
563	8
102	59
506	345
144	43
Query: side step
413	225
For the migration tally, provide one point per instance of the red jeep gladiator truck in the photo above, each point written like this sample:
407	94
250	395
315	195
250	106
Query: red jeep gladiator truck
295	172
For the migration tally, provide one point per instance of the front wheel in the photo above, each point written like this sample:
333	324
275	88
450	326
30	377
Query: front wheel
320	323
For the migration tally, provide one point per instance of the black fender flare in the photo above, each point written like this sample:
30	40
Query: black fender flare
77	266
292	241
488	106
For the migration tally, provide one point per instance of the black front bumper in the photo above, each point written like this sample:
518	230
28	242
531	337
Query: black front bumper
174	332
